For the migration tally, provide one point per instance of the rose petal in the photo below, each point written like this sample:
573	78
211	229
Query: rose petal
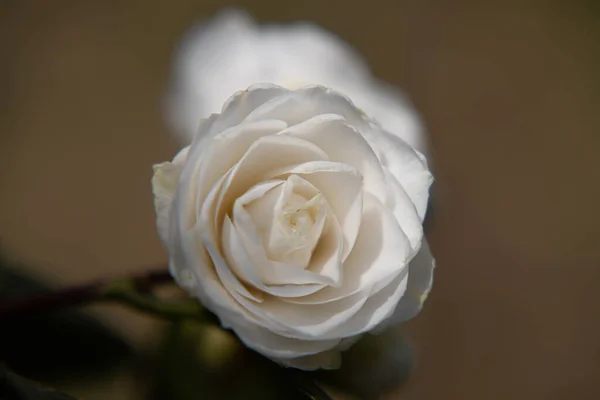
331	359
164	185
391	109
277	346
341	185
377	308
240	262
205	229
268	215
192	266
328	131
266	154
405	212
300	105
406	164
262	208
278	273
420	280
226	149
190	258
328	255
381	251
242	103
250	309
309	321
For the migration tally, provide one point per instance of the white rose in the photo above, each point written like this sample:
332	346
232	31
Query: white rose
231	52
298	222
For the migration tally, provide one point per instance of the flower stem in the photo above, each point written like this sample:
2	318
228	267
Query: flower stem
134	291
124	291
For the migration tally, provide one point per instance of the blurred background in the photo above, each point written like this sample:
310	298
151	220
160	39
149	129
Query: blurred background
510	94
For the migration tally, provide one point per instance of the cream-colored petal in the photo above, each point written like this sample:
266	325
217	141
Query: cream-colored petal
279	347
274	272
290	220
300	105
260	203
381	251
376	309
227	148
328	255
343	144
300	250
237	257
341	185
266	154
420	280
233	113
206	230
406	164
308	321
190	263
391	109
164	184
331	359
190	260
239	261
326	265
263	209
405	212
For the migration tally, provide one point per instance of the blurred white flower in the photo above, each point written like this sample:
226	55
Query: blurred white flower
298	221
231	52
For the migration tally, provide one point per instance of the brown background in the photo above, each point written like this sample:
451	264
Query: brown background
510	92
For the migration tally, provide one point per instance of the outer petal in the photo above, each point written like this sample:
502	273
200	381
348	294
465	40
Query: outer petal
164	185
279	347
378	308
313	322
405	212
391	109
300	105
420	280
406	164
190	262
331	359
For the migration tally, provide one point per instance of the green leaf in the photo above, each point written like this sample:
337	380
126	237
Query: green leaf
15	387
62	343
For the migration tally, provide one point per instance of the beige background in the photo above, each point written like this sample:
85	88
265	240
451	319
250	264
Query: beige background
510	93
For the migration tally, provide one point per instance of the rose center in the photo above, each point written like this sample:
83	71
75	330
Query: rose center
290	219
299	215
297	229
